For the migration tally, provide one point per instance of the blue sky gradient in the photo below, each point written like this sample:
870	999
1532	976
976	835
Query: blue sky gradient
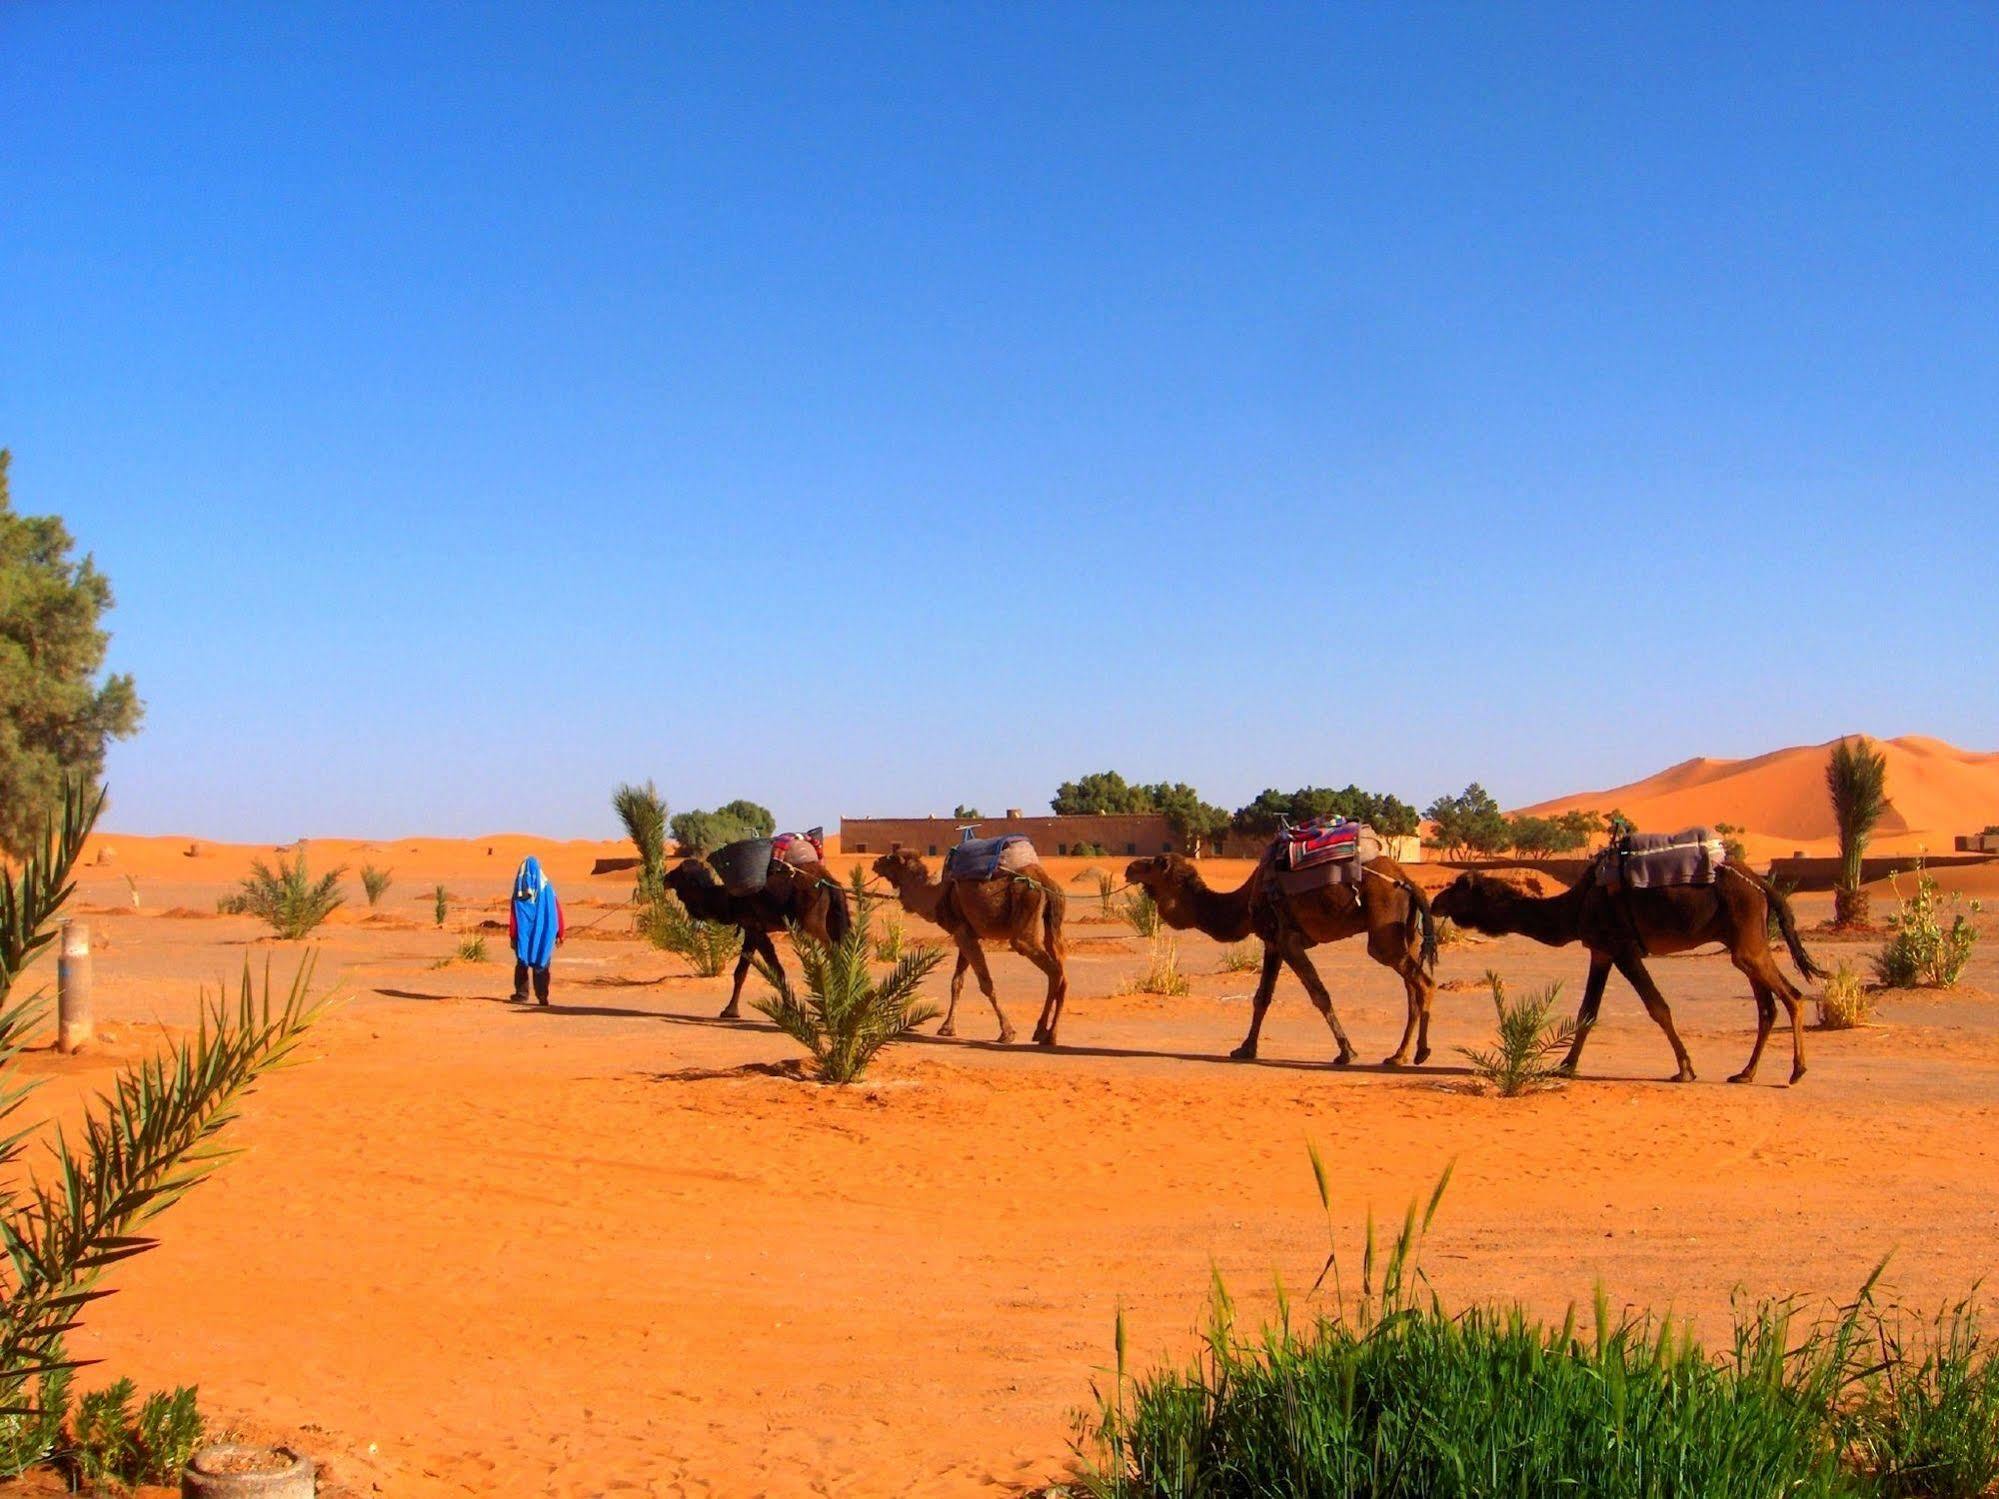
867	409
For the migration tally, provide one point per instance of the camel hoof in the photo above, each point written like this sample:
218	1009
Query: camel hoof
1047	1040
731	1013
1566	1069
1684	1075
1006	1038
1243	1053
1344	1059
1422	1056
1744	1076
947	1030
1796	1073
1398	1060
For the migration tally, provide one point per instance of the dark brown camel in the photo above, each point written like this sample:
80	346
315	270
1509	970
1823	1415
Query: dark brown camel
793	896
1022	908
1622	927
1386	905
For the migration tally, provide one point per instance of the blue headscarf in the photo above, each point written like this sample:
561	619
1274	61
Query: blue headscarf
535	915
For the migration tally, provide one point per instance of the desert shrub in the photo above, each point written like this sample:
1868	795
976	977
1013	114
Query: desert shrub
108	1443
473	949
1844	1001
288	899
1528	1035
1449	933
701	833
31	1432
440	903
1242	957
889	946
1389	1394
143	1145
1162	975
846	1015
709	946
375	882
1140	912
1921	951
235	903
1929	1421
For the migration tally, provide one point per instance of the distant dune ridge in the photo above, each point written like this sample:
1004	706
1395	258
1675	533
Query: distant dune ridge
1938	792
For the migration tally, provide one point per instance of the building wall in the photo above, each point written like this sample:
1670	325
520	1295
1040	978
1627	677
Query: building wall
1121	837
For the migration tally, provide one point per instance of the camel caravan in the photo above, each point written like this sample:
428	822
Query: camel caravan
1322	881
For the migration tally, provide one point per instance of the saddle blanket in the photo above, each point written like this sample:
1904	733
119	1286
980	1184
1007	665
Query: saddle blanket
808	847
1651	861
1342	845
989	858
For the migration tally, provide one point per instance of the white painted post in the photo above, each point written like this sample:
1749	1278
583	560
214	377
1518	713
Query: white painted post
74	1025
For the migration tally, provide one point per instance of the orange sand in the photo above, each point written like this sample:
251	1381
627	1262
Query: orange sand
613	1247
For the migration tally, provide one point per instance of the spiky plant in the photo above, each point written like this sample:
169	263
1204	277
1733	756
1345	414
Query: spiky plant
643	812
288	899
142	1147
1527	1037
846	1015
375	882
1856	778
1844	1001
440	903
1242	957
708	946
1141	912
473	949
1162	974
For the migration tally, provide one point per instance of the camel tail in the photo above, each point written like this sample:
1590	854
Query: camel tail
1786	923
1054	907
1419	912
839	916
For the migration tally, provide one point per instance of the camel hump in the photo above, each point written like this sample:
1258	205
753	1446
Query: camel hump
1648	861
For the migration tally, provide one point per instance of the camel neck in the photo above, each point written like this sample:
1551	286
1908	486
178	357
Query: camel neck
1551	919
919	896
1221	914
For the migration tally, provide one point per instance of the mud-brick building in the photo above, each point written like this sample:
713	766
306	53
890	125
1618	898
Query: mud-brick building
1123	836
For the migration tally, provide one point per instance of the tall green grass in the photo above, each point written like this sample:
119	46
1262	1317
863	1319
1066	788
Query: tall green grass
1386	1393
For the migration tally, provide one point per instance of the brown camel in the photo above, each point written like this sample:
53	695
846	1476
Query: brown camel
1386	905
793	896
1622	927
1023	908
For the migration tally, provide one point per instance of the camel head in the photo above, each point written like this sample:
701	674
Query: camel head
901	868
1167	876
1478	901
690	875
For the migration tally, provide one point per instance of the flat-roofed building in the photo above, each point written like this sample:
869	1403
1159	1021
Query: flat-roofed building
1120	836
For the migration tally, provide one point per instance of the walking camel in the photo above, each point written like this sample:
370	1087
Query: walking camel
1385	904
1023	908
791	896
1622	927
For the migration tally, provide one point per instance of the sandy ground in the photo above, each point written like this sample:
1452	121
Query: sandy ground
611	1247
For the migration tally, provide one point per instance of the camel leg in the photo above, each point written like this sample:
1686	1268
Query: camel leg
1058	987
1599	976
1633	969
985	977
1766	1013
1296	954
1266	985
950	1025
734	1008
1772	985
1390	948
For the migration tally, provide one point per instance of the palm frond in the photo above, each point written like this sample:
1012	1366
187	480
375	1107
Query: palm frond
845	1014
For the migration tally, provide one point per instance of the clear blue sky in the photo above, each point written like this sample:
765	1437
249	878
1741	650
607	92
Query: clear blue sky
867	409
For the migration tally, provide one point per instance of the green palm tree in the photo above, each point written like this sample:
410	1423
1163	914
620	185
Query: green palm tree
643	812
846	1014
1856	778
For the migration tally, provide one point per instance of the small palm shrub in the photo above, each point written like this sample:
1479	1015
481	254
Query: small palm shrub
473	949
846	1015
1844	1001
289	899
1922	952
440	904
1856	779
108	1444
1242	957
1528	1036
1162	975
375	882
1141	912
709	946
643	812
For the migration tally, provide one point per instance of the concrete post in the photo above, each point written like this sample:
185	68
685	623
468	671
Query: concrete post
74	1023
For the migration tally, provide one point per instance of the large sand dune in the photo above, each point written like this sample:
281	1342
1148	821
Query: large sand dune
1938	791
